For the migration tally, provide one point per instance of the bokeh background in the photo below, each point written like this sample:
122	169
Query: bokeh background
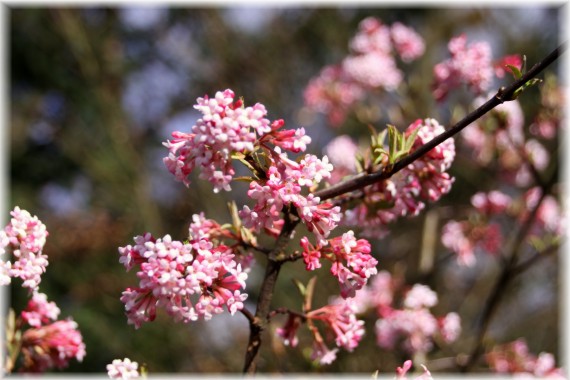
93	93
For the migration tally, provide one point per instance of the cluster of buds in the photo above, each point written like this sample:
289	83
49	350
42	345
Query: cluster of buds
25	237
371	65
405	193
282	188
48	343
351	261
338	319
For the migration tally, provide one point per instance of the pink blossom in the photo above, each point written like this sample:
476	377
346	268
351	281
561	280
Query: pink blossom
515	358
549	218
416	326
413	325
332	92
339	318
322	353
39	311
420	296
463	238
189	280
469	64
450	327
352	263
226	127
407	42
52	345
372	36
373	70
123	369
370	65
494	202
25	237
282	187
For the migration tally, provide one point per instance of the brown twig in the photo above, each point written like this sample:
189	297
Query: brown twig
257	325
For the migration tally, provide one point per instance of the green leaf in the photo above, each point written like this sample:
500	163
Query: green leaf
515	70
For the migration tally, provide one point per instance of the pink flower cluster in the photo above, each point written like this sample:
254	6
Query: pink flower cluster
25	236
480	231
515	358
123	369
550	219
48	344
405	193
282	188
413	325
470	64
339	321
371	65
225	128
351	260
500	136
172	273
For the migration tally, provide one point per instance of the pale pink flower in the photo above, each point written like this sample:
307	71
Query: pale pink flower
339	318
352	262
407	42
189	280
372	36
469	64
24	237
282	186
416	326
494	202
226	127
373	70
420	296
454	238
450	327
39	311
515	358
332	92
322	354
549	218
123	369
52	345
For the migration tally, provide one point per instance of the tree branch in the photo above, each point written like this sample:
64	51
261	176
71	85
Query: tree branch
259	322
503	95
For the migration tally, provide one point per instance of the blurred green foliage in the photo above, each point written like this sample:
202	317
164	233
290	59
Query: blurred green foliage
95	91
